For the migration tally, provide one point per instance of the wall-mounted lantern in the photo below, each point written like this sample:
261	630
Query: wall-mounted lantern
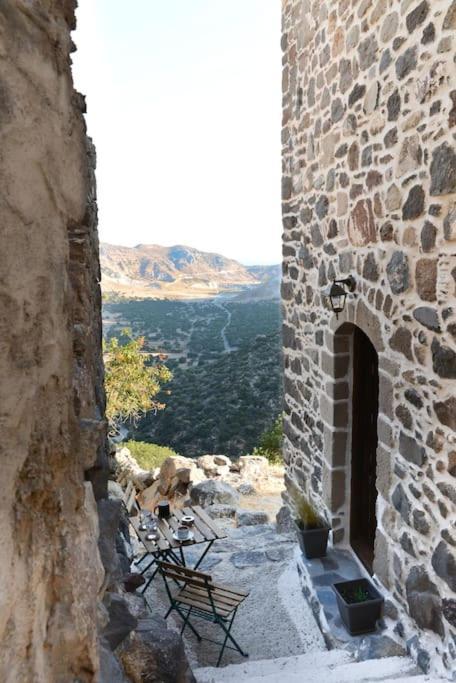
336	293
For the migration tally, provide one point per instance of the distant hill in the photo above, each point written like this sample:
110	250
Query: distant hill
180	272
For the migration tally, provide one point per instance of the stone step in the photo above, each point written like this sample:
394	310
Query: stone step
334	666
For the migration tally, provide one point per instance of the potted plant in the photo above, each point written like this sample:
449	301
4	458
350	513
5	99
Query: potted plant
311	529
360	605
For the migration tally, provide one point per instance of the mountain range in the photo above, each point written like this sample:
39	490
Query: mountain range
181	272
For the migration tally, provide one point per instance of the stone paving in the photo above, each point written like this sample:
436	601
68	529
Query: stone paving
317	578
275	620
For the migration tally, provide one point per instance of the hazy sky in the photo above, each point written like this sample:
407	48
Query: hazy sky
184	102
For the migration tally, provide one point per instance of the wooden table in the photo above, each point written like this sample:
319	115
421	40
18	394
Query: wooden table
167	548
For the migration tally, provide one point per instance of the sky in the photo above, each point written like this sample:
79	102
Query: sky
184	106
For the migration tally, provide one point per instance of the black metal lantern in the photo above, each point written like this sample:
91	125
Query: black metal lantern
337	293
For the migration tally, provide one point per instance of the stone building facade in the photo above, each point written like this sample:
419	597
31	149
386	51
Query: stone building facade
53	433
369	190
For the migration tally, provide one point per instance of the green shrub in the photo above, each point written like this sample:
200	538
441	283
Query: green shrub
148	455
270	445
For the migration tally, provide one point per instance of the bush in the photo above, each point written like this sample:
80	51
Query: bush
148	455
270	445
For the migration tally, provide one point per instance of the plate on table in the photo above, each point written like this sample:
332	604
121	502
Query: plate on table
190	537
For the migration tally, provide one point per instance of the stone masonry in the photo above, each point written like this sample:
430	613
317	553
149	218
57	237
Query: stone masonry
369	189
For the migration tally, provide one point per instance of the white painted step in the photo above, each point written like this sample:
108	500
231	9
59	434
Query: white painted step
334	666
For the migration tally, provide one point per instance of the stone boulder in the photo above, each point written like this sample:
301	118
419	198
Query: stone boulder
110	668
177	475
211	491
127	469
246	489
121	621
251	517
218	511
155	654
214	465
253	467
109	514
284	520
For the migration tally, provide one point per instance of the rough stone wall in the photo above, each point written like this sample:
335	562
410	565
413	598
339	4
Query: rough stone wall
51	395
369	189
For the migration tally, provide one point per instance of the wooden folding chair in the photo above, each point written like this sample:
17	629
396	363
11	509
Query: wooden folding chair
201	598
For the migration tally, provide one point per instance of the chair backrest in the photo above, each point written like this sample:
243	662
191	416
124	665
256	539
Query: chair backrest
129	499
184	575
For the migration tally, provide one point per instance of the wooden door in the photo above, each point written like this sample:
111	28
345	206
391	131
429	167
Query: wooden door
363	520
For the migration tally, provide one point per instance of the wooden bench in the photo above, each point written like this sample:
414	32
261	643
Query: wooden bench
200	597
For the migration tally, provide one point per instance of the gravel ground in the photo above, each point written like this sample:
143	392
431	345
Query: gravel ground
274	621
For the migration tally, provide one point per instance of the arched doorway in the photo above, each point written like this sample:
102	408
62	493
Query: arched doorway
363	492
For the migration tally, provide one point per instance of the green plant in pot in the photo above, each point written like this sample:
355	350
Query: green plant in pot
311	529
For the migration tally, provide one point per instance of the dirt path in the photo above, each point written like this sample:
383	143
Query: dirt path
226	345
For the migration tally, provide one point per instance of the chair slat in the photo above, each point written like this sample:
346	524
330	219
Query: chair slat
202	604
186	570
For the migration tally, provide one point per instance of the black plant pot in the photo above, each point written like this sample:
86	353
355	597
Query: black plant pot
313	542
359	617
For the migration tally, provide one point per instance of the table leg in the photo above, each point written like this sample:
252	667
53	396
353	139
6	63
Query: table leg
209	546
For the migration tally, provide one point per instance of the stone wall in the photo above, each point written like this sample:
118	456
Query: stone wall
369	189
51	395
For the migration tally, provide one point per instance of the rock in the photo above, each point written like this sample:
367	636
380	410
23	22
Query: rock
446	412
253	467
132	581
389	27
367	51
401	341
385	60
110	668
411	450
426	279
397	271
371	99
394	106
246	489
322	206
410	157
424	601
356	94
414	205
401	503
444	564
417	16
121	621
449	611
443	360
167	473
361	227
284	520
218	511
428	235
443	170
406	63
449	224
109	512
211	491
393	198
222	460
211	467
427	317
127	469
450	18
251	517
155	654
377	647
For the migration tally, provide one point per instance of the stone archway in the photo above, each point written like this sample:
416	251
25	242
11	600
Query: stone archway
341	398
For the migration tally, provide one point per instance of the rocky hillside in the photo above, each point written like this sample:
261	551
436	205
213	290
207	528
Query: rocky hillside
174	272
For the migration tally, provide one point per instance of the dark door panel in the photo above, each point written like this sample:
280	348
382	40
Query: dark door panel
363	521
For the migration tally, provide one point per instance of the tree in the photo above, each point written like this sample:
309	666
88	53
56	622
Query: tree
131	381
271	441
